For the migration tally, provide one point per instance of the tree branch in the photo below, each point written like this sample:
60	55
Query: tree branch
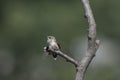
68	58
93	44
63	55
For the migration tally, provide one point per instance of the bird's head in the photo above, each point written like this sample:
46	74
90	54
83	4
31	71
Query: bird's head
51	38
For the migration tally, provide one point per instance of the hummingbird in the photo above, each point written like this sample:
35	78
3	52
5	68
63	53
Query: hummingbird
52	45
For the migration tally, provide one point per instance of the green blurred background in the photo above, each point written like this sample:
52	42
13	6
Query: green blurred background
24	25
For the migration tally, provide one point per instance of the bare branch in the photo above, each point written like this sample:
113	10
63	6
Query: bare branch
93	44
68	58
63	55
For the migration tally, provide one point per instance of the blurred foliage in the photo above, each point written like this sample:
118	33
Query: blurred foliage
24	25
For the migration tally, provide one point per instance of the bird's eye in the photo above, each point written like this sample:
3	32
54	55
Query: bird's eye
49	37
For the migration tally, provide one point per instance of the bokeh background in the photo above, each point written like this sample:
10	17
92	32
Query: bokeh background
24	25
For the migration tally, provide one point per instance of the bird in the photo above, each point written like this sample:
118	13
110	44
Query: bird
52	45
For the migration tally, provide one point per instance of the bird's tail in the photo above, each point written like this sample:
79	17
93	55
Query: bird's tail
55	56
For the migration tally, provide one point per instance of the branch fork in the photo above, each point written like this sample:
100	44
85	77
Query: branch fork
93	45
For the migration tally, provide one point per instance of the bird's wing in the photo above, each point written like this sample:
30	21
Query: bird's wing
59	46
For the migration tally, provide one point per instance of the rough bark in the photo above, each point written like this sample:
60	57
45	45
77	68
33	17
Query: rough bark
93	44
